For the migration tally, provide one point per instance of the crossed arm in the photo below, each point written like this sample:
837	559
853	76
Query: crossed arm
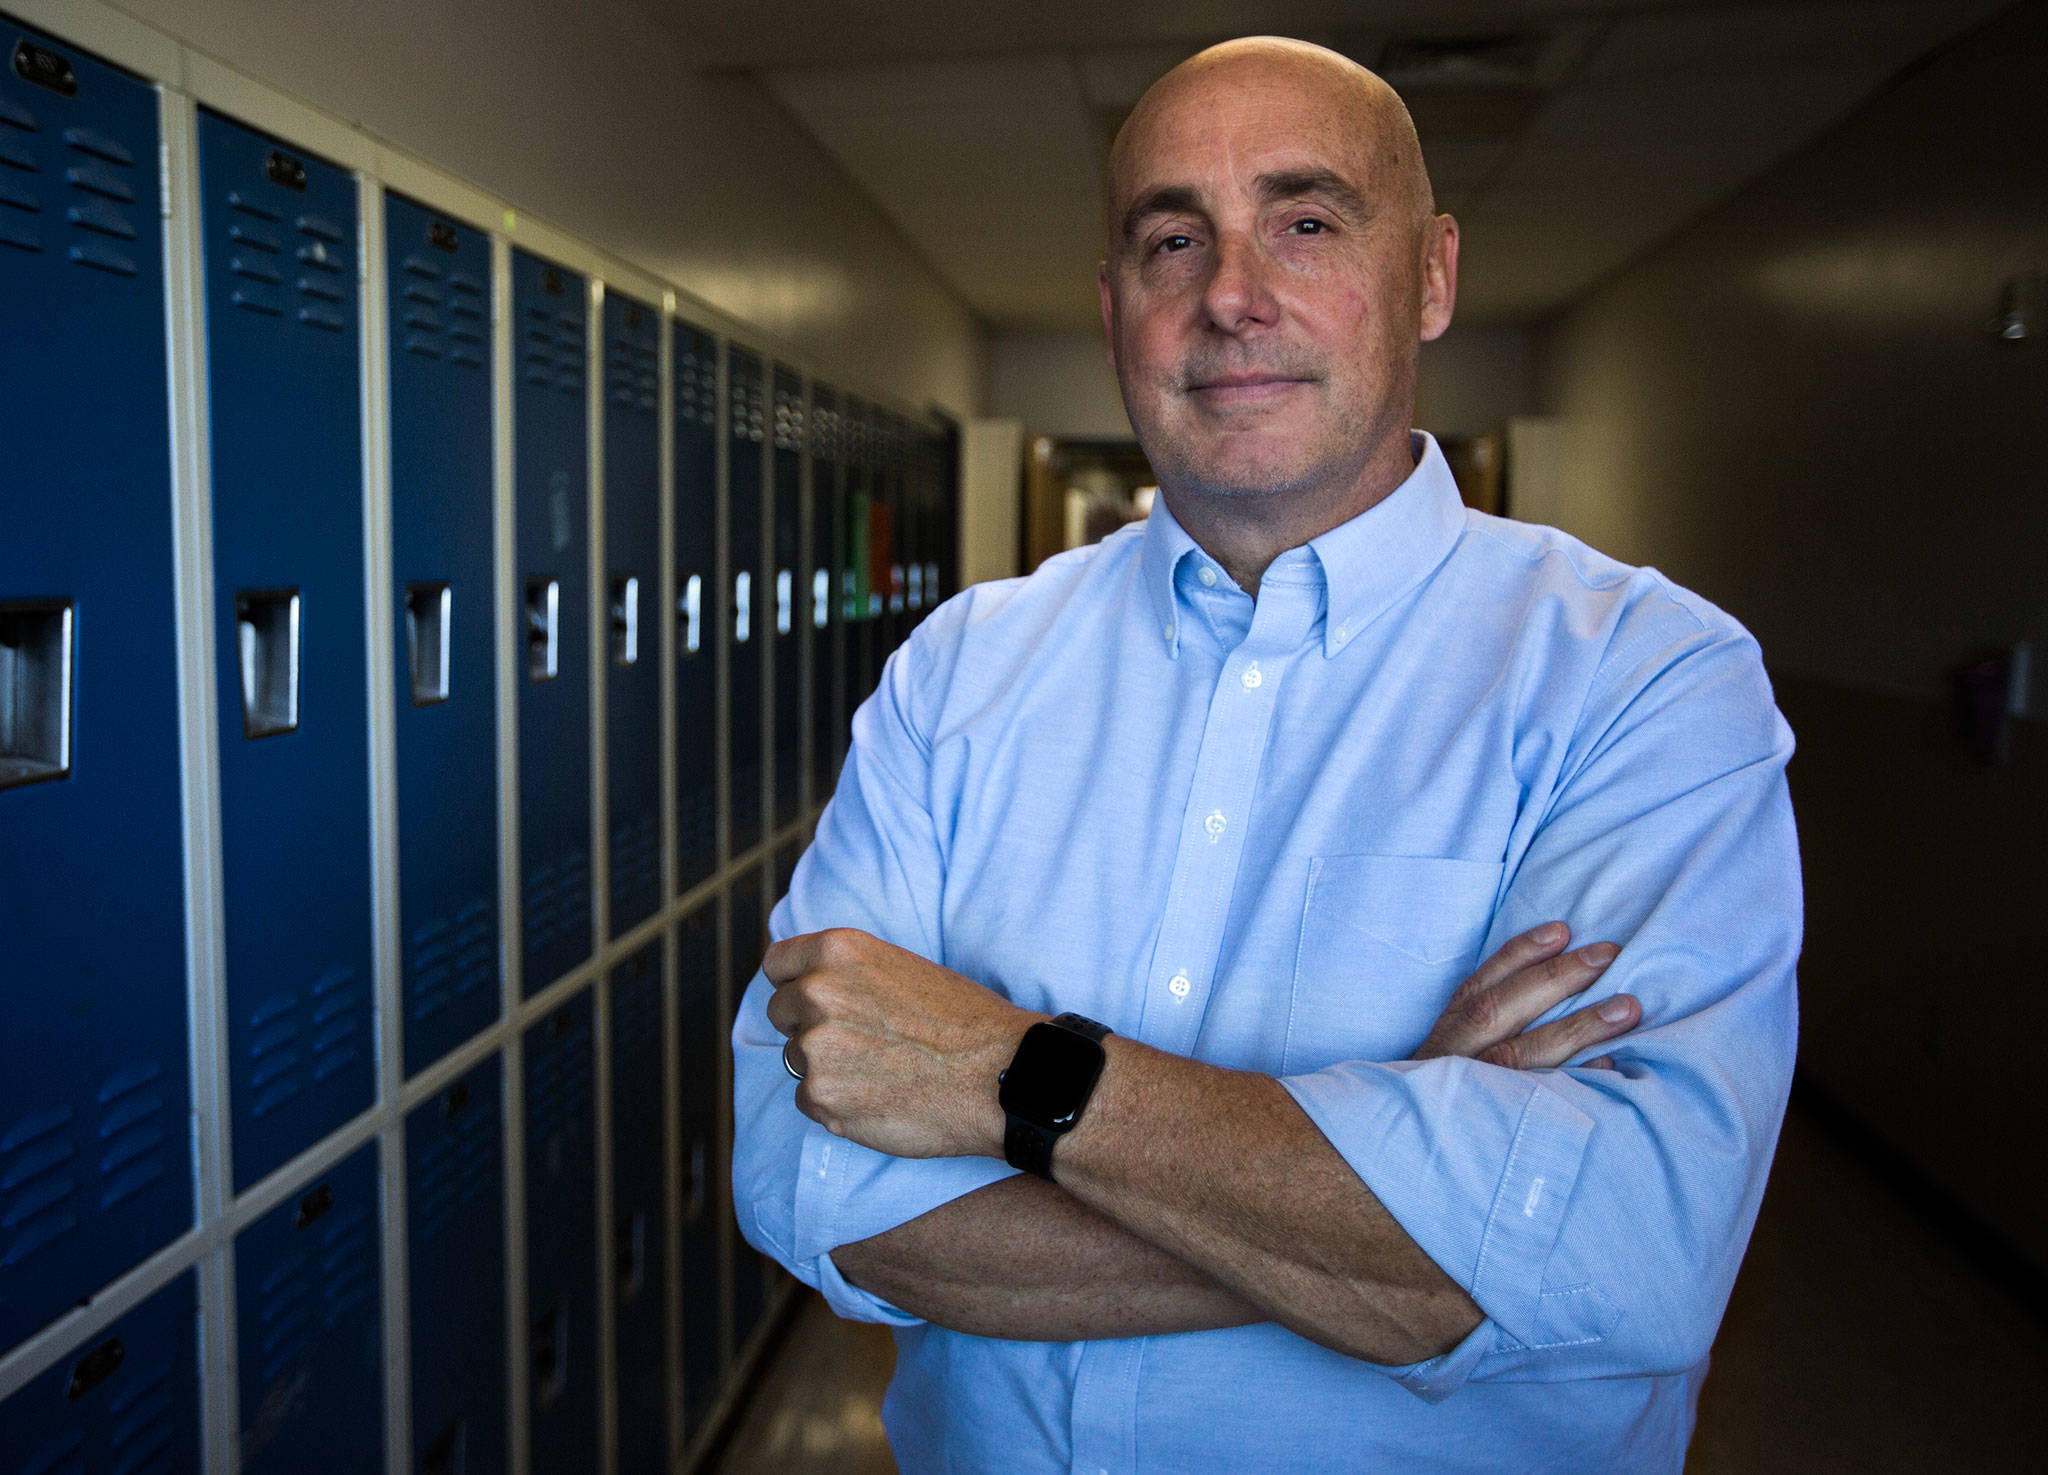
1189	1197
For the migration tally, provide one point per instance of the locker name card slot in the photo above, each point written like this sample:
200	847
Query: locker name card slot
429	609
44	68
35	692
267	628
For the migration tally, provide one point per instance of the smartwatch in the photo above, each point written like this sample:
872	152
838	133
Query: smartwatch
1047	1087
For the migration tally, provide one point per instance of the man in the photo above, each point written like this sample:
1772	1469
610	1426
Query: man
1255	788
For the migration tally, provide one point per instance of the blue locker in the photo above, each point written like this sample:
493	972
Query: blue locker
749	941
309	1315
701	1049
561	1240
128	1400
889	551
551	439
822	578
280	232
95	1170
441	494
455	1249
747	644
639	1286
632	518
697	604
792	634
863	661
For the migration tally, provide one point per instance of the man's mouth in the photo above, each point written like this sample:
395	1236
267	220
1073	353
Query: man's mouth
1244	388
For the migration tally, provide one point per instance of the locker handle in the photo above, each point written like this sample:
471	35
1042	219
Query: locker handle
543	629
690	610
631	1262
550	1358
821	597
95	1368
742	606
429	610
785	601
625	620
35	691
267	626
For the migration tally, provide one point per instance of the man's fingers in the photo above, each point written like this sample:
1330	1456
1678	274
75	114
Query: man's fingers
1480	1020
1561	1039
1516	954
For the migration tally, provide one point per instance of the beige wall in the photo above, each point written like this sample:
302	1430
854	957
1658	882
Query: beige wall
1796	408
605	129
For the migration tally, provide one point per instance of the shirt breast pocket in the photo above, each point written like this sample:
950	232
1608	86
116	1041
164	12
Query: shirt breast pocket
1384	940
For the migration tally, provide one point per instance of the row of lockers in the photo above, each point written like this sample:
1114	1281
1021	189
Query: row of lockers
759	543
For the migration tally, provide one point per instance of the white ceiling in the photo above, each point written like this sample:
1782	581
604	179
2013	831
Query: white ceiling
1599	127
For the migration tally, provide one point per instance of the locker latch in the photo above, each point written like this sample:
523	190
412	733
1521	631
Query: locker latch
742	606
428	608
267	626
625	619
785	601
690	610
35	692
543	629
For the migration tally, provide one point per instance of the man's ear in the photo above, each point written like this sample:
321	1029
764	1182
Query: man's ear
1439	277
1108	311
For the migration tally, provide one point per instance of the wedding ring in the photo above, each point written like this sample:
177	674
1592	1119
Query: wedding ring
799	1075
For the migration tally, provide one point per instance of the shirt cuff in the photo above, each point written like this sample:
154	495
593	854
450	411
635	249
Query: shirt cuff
846	1193
1477	1165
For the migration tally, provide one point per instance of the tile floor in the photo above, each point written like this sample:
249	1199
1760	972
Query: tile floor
1858	1340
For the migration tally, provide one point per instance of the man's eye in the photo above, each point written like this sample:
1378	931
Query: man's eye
1309	226
1175	243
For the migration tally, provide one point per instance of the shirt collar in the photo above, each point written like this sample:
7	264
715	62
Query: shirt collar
1367	562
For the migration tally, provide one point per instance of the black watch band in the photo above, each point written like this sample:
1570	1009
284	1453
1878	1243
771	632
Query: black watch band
1046	1088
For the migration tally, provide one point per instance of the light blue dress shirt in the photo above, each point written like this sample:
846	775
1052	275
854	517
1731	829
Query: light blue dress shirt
1275	835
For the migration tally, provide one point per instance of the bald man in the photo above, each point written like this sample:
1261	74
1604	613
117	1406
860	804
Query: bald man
1307	984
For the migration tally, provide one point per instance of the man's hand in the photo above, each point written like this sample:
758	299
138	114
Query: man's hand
896	1052
1488	1017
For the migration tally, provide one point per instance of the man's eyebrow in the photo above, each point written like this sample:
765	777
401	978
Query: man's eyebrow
1293	184
1169	199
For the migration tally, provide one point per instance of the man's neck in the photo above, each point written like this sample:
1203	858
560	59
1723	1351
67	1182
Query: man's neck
1246	533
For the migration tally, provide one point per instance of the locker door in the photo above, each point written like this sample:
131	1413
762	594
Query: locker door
550	457
859	604
791	633
455	1250
285	381
632	462
749	941
126	1400
638	1285
561	1241
889	568
705	1163
95	1173
308	1312
747	642
697	602
828	623
446	729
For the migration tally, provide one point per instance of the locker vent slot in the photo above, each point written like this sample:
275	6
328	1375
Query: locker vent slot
691	609
35	692
543	629
267	623
632	1257
625	620
95	1368
449	1454
550	1357
428	609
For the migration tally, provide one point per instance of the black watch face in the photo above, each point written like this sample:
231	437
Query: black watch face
1049	1080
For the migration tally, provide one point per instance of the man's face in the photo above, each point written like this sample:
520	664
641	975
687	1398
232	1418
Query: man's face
1271	272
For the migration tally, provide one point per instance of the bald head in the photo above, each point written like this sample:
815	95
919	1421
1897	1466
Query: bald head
1346	100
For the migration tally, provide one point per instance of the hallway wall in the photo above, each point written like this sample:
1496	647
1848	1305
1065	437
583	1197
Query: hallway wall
1797	407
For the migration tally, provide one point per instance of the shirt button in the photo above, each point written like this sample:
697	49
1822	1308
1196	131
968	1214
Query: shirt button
1169	632
1180	985
1208	578
1341	634
1214	824
1251	677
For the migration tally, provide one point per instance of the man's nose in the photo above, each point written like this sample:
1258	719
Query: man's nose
1238	293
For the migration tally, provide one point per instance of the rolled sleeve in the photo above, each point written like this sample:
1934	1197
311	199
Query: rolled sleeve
799	1192
1598	1216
